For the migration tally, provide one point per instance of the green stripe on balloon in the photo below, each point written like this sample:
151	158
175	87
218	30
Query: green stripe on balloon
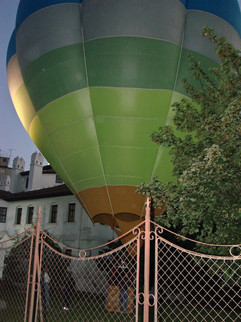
61	126
163	166
132	62
117	64
130	102
85	164
66	110
76	107
126	132
55	74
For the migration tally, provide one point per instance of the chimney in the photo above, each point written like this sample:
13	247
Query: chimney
35	173
16	184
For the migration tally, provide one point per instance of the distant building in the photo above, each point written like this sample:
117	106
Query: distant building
5	173
21	194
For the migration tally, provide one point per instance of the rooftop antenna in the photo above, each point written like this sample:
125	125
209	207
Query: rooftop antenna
10	152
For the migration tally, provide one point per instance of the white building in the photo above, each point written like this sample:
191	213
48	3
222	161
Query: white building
23	192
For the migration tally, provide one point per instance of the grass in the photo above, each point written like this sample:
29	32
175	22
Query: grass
83	308
93	309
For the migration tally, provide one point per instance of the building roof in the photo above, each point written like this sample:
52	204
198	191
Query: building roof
56	191
46	169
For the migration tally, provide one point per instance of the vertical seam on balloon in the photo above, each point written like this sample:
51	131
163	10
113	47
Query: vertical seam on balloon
160	149
81	27
87	80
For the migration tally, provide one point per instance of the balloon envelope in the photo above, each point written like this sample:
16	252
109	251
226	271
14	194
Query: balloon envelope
91	80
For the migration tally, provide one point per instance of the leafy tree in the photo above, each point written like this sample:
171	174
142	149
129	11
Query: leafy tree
204	202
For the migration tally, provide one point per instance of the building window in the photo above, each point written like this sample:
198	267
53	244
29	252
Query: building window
58	179
26	185
19	216
30	215
71	213
3	214
54	211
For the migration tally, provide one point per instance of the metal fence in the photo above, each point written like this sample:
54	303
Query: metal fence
15	265
141	276
196	287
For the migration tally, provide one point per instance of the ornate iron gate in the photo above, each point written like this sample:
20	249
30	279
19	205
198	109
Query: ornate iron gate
141	276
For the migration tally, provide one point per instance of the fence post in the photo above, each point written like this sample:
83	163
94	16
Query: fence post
29	273
147	262
35	265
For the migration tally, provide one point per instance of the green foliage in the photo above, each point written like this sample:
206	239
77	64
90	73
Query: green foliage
205	200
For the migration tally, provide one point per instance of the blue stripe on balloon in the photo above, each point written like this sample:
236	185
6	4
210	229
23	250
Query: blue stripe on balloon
27	7
229	10
11	46
184	2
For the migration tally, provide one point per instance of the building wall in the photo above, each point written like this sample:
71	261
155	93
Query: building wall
48	180
78	234
5	172
5	182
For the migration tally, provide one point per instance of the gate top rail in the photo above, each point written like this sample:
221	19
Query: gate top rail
134	231
83	253
16	244
30	230
137	230
159	230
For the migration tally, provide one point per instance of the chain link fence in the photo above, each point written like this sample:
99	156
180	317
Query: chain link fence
43	280
81	287
196	287
15	264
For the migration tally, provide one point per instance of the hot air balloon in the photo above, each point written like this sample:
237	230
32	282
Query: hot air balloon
91	79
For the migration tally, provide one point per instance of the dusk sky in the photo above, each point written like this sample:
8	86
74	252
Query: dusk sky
14	139
12	133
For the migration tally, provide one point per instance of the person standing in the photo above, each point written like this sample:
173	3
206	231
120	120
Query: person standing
46	283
